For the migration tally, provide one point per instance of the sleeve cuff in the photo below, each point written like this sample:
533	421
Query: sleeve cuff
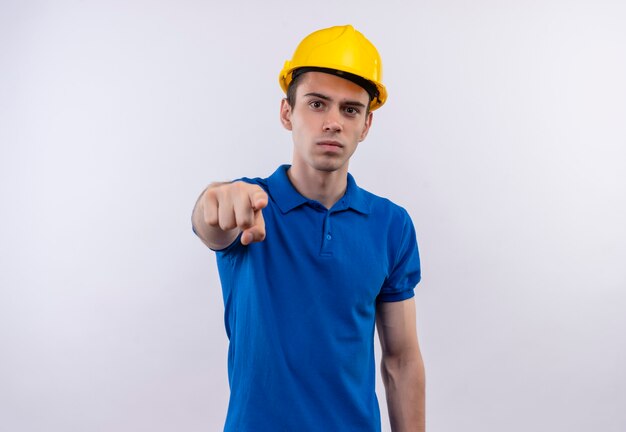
395	297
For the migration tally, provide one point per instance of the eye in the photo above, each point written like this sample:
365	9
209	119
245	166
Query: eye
352	111
316	104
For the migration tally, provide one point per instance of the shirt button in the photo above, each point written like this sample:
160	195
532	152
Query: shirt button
329	237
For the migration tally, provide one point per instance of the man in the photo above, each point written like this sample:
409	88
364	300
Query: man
309	262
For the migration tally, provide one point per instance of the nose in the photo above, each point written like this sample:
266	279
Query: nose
332	122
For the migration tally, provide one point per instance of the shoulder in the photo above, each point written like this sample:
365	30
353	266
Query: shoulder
277	182
393	224
391	221
381	206
254	180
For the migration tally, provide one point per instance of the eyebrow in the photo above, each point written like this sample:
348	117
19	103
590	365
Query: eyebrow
324	97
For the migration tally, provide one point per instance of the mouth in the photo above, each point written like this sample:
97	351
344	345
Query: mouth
330	144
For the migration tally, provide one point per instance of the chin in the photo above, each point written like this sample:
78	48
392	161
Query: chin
329	166
327	169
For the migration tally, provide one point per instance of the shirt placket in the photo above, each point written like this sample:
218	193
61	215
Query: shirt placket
327	236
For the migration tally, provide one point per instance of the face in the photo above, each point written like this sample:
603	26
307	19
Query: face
328	120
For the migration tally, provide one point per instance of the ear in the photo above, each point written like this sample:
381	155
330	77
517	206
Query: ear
366	127
285	114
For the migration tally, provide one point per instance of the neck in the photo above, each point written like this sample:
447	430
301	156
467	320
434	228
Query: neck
326	187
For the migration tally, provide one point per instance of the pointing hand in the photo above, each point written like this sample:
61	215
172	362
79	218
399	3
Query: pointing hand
234	208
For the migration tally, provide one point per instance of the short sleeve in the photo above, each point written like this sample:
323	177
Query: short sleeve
405	270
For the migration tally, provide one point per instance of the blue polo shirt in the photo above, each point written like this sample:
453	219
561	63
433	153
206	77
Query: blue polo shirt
300	309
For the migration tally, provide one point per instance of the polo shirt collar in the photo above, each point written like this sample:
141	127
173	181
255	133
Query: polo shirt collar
288	198
356	198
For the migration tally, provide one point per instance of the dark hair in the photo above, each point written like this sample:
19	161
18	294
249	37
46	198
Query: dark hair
296	75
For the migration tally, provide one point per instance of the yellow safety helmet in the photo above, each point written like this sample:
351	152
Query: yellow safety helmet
341	49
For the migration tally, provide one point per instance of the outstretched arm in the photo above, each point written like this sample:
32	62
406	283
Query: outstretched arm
402	367
224	210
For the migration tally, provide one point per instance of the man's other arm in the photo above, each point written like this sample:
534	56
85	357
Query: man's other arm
224	210
402	367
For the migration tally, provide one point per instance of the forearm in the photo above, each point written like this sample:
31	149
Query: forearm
404	380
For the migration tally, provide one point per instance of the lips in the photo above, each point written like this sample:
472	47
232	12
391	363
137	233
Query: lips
330	143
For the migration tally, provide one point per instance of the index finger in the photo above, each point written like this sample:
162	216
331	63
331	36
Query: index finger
258	199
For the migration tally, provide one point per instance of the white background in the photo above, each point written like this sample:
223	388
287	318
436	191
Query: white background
504	136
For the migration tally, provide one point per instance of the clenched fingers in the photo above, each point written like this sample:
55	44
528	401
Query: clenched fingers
236	205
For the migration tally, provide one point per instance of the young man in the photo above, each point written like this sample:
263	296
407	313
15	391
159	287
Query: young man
309	263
